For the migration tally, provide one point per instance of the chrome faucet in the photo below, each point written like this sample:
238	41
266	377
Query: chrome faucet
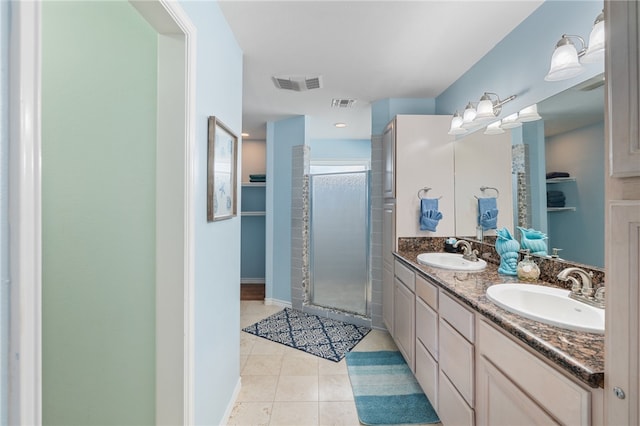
467	253
583	290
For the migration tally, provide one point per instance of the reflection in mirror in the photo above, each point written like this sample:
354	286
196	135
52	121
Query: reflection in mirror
482	161
569	140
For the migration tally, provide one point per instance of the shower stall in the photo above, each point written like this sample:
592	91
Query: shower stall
339	257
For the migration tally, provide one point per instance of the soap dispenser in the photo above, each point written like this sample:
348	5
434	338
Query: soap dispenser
527	269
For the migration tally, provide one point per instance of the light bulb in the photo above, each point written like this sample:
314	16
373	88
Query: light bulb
494	128
529	113
510	122
468	116
595	51
485	109
564	61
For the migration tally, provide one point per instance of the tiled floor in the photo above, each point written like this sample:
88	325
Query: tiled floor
285	386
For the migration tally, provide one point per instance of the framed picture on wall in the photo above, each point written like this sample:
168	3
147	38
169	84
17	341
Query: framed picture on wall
222	155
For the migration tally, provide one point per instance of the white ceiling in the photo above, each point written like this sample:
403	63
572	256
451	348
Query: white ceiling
365	50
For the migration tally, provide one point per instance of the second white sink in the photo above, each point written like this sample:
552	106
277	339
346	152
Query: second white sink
549	305
450	261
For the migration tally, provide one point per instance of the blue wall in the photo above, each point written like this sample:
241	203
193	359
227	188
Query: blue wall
217	246
340	149
281	137
517	65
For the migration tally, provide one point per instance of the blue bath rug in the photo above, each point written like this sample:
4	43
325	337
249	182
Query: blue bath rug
386	391
324	337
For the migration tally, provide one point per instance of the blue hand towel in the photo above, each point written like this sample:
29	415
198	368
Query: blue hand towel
429	214
488	213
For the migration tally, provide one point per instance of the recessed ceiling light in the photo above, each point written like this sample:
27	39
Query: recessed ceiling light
340	125
244	135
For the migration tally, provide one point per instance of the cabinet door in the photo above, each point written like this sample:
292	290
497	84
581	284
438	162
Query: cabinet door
404	322
501	403
624	109
389	161
388	246
387	298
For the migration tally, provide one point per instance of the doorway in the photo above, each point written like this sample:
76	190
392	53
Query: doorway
172	333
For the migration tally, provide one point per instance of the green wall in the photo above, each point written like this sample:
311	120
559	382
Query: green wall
98	185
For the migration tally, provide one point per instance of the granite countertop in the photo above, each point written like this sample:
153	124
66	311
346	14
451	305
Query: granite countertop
580	354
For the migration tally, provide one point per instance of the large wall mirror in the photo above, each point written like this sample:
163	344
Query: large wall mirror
569	139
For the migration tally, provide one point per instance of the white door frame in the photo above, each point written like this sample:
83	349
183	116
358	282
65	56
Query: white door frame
25	246
176	44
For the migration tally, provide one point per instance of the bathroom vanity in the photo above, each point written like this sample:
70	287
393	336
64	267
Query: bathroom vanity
480	364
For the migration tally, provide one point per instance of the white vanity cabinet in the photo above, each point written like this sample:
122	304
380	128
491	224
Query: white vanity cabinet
515	386
472	371
404	313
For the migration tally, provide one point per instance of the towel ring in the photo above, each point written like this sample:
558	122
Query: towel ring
484	188
425	189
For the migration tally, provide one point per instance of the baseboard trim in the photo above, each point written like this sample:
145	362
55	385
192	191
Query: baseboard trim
232	403
271	301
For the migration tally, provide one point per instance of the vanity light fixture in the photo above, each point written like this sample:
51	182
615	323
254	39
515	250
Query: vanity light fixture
529	113
488	108
510	121
494	128
566	61
456	125
468	116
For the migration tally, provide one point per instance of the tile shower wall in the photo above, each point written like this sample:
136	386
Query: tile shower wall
299	226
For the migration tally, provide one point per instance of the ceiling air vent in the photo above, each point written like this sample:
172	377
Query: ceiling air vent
342	103
297	84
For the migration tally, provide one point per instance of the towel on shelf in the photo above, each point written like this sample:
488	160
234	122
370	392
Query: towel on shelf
553	175
555	199
258	178
488	213
429	214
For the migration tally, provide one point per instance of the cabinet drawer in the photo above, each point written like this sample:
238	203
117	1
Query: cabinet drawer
406	275
458	316
456	360
562	398
427	327
427	292
452	409
427	374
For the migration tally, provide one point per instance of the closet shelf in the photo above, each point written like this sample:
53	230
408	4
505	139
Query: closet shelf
253	213
560	209
561	179
254	184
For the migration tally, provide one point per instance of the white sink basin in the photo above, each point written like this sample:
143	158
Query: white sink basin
450	261
548	305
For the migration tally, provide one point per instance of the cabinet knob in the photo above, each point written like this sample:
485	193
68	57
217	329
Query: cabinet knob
619	392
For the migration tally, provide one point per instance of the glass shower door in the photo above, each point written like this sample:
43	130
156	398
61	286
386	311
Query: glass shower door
339	251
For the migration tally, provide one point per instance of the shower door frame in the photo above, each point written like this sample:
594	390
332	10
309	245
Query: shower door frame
368	285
